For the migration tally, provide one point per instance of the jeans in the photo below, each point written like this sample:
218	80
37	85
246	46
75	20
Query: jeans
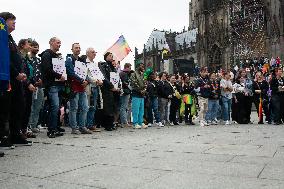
213	109
93	107
124	100
153	107
137	110
78	104
37	105
203	107
53	94
163	109
226	104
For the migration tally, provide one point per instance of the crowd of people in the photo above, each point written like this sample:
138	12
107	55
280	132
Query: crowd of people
35	95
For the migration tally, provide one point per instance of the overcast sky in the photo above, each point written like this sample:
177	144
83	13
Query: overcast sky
95	23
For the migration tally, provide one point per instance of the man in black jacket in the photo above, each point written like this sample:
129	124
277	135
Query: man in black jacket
54	83
108	92
124	98
17	77
164	94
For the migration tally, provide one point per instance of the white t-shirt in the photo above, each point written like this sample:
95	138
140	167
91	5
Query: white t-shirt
226	84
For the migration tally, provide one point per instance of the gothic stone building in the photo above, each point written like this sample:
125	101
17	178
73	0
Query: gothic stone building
231	30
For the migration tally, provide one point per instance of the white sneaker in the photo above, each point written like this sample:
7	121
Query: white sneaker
137	126
144	126
172	124
203	123
227	122
149	124
214	122
160	124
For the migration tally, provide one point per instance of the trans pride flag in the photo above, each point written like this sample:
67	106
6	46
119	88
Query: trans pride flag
120	49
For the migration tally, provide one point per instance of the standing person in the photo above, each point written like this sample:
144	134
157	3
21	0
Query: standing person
260	89
152	92
226	93
277	96
138	92
244	93
164	94
54	84
17	78
202	88
38	95
79	100
5	91
187	92
213	101
29	88
107	91
175	100
93	88
125	95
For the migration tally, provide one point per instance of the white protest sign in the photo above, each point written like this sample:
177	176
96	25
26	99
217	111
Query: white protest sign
114	79
96	72
59	67
81	69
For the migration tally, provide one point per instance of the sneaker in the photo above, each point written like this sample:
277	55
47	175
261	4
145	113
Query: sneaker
149	124
172	124
2	154
75	132
227	122
35	130
214	122
137	126
160	124
94	129
61	130
53	134
84	130
144	126
5	143
203	123
21	141
176	123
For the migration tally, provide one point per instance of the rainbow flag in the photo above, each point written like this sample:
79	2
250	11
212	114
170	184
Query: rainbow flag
187	99
120	49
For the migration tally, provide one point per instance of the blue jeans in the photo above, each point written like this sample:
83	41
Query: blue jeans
153	107
54	106
78	104
37	105
92	109
137	110
213	109
124	100
226	105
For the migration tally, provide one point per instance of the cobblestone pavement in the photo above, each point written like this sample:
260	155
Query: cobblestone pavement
236	156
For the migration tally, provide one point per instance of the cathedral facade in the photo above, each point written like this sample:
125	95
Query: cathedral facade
234	30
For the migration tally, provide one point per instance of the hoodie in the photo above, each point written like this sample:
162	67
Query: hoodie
48	74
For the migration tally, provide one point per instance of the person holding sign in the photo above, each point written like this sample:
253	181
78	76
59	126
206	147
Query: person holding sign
93	88
53	83
76	73
108	90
